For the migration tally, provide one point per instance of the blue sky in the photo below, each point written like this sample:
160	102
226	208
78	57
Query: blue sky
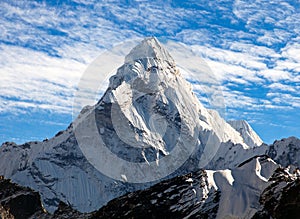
252	47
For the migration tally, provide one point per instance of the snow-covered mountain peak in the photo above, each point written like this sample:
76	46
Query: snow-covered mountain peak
149	48
148	66
153	118
248	134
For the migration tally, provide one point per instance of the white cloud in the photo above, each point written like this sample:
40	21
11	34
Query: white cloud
273	22
238	100
292	52
283	87
275	75
253	50
32	78
285	99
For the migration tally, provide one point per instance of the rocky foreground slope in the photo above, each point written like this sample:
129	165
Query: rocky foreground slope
258	188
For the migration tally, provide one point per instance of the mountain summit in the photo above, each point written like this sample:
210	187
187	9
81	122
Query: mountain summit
147	127
149	48
152	120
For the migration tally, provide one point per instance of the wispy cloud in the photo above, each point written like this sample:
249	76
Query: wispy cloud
33	79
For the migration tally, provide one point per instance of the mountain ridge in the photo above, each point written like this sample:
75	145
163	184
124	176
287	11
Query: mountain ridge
202	193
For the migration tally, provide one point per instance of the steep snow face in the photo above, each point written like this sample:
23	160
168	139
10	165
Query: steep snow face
147	125
250	137
241	187
230	155
153	119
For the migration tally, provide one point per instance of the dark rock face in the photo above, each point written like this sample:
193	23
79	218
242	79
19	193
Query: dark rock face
64	211
174	198
18	202
281	199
